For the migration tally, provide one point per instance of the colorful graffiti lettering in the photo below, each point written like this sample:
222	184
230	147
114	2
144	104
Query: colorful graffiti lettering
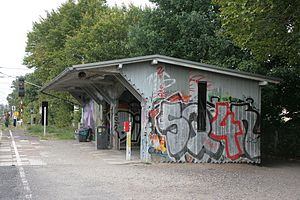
250	118
230	127
194	79
158	145
130	111
178	122
161	81
229	130
232	124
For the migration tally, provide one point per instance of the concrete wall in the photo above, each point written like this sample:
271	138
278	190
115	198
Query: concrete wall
169	115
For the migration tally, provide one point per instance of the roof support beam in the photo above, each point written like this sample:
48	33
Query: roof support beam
77	97
129	87
92	95
101	92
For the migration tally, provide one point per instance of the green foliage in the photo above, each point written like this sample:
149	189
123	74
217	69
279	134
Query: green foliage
270	30
45	44
79	31
52	132
101	37
61	113
185	29
46	52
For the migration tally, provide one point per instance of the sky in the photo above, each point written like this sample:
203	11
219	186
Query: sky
16	19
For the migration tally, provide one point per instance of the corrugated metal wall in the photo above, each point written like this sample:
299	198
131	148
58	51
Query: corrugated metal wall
170	115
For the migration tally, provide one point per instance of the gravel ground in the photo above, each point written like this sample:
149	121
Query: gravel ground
10	184
72	170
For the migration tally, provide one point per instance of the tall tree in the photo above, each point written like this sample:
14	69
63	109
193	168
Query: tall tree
46	52
270	30
102	36
46	42
185	29
79	31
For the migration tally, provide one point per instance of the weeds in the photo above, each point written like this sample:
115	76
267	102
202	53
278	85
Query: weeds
52	133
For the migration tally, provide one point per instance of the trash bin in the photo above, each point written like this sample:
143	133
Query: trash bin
84	134
102	137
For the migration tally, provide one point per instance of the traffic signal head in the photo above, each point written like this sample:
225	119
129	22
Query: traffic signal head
21	87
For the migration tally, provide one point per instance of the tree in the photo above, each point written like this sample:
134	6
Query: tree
46	42
102	36
186	29
46	53
79	31
270	30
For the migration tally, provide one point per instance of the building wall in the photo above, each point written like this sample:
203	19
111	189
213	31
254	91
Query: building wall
169	115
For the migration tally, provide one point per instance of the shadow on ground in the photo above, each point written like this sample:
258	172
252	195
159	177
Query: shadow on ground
273	162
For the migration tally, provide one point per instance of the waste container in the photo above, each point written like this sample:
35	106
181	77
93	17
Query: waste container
102	137
84	134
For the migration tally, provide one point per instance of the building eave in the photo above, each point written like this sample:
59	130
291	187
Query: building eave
156	59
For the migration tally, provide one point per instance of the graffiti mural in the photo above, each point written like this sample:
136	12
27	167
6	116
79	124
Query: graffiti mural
232	128
125	112
88	118
227	129
160	81
178	122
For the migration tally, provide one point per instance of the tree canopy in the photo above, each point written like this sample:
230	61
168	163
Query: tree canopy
186	29
270	30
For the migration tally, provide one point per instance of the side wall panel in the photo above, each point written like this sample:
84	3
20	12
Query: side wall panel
170	115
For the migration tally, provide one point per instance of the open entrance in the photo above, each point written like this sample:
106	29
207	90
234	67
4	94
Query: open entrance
128	109
109	99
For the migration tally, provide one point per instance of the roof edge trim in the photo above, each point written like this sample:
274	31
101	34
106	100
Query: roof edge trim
219	70
57	78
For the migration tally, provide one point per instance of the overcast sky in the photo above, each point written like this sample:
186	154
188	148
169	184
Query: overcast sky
16	18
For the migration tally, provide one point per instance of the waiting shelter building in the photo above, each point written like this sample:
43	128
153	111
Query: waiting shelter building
180	111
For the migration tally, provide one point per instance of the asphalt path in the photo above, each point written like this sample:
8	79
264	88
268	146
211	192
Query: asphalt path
35	169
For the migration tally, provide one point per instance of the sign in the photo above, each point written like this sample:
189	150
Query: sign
126	126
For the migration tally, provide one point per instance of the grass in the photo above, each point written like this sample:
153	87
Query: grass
52	133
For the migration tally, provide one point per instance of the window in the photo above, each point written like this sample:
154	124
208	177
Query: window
202	92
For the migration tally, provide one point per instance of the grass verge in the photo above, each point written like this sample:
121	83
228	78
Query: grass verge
52	133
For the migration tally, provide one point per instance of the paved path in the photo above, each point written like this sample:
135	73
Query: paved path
33	169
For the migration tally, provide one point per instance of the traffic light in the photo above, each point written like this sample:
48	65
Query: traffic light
21	87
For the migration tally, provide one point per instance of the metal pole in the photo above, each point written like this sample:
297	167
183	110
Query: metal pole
45	114
128	141
31	119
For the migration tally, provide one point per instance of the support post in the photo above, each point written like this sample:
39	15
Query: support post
31	119
114	124
145	131
127	129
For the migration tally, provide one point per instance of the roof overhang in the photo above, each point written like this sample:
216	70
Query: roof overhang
86	78
155	59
